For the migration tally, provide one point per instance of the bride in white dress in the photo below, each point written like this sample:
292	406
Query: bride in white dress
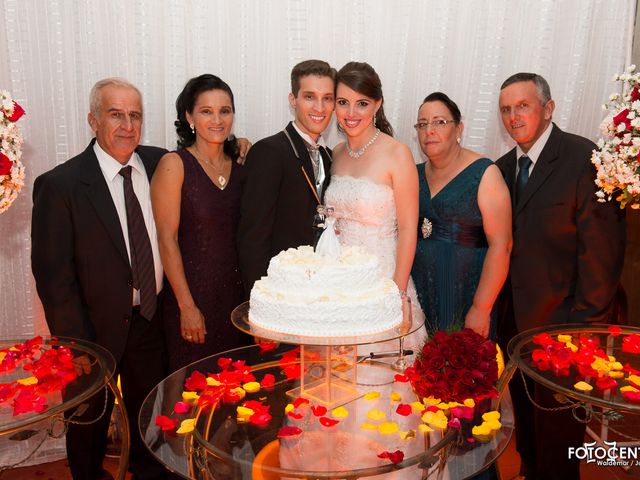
374	184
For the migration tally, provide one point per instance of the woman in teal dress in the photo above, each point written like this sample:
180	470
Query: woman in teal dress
464	231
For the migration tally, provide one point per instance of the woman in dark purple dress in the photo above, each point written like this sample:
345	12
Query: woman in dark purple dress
196	199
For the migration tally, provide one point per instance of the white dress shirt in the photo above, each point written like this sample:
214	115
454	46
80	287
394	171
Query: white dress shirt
111	170
535	150
319	143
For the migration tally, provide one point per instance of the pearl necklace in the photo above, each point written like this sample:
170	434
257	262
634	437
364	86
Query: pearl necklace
360	152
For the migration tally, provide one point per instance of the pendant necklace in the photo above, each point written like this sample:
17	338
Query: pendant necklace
359	153
218	171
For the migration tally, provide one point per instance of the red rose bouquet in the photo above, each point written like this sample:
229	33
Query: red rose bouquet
456	366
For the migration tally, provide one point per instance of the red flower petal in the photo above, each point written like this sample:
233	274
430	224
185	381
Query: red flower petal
289	432
18	111
454	423
292	372
224	363
299	401
401	378
260	419
267	381
165	423
181	407
267	346
318	410
328	422
404	410
614	330
296	416
394	457
196	382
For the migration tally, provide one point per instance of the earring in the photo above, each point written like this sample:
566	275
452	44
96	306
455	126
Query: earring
458	139
192	127
374	120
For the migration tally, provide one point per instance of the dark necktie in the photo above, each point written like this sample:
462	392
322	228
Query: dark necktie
144	278
524	163
314	154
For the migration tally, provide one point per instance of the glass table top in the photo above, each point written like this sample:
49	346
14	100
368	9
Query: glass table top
98	371
222	446
521	350
240	318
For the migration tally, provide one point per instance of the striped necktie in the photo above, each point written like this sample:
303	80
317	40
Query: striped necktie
524	163
144	278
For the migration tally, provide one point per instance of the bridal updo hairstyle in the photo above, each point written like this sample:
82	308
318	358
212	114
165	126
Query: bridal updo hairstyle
187	100
362	78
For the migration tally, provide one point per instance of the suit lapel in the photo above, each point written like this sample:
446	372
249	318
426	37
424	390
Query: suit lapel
99	196
326	161
542	170
302	154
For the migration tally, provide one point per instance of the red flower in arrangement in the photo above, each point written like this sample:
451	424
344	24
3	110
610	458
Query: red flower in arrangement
18	112
616	330
224	363
456	366
5	164
394	457
267	346
196	382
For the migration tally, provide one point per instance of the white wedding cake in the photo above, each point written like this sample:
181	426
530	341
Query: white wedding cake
305	293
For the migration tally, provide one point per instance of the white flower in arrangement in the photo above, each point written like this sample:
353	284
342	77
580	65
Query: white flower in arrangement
12	172
617	158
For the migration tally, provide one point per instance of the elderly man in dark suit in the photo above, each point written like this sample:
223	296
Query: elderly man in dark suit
97	268
287	175
566	261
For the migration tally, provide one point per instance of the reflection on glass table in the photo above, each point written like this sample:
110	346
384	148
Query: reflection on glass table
43	378
310	438
551	365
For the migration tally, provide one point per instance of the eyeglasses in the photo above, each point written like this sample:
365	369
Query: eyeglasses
436	124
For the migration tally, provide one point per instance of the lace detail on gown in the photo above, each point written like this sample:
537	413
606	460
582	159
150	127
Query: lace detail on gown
366	216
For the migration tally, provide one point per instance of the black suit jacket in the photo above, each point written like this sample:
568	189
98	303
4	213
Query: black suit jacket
78	256
278	205
568	248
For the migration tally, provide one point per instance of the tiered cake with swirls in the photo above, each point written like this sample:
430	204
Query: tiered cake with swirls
305	293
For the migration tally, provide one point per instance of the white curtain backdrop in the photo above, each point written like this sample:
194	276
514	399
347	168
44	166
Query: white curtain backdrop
52	51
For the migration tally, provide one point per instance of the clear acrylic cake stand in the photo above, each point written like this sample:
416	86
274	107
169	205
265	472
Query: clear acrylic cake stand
328	364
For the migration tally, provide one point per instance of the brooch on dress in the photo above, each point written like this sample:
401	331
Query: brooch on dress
426	228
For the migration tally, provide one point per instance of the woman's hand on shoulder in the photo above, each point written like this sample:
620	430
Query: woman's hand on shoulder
244	145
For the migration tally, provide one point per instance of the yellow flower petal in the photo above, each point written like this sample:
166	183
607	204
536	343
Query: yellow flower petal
616	374
395	397
244	414
469	402
583	387
372	396
408	435
493	415
212	382
376	415
564	338
28	381
418	406
494	425
387	428
190	396
239	391
616	366
289	408
572	347
368	426
443	406
340	412
251	387
483	429
425	428
628	388
431	401
186	426
2	355
611	358
634	378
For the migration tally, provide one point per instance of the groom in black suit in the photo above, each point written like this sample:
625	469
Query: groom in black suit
287	174
566	262
98	274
